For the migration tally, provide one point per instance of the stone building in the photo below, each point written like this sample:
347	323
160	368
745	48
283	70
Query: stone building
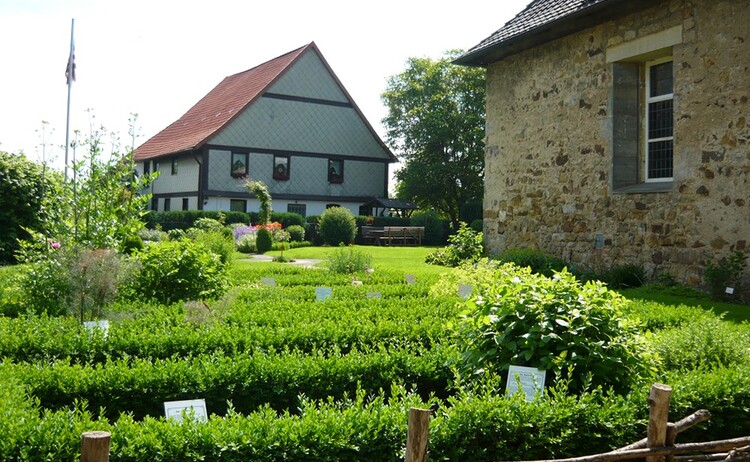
618	131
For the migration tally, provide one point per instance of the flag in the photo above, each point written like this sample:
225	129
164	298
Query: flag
70	69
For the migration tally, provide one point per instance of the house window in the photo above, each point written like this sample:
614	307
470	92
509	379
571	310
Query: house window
659	119
166	205
642	112
281	168
335	171
238	205
146	166
155	204
185	203
239	165
300	209
174	166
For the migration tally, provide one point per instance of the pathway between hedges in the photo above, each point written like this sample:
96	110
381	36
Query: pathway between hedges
303	262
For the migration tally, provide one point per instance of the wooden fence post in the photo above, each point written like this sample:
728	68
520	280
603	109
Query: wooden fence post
417	435
658	418
95	446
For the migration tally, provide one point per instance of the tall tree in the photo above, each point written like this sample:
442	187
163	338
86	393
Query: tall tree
23	184
435	123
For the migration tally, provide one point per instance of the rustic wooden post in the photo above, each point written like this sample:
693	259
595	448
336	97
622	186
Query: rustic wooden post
95	446
658	403
417	435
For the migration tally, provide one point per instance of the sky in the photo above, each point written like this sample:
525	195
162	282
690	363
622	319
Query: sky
157	58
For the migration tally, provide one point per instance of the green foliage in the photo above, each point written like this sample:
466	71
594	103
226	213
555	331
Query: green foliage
477	225
263	240
434	226
703	344
288	219
337	226
179	270
246	244
218	242
349	261
539	262
556	324
624	276
101	205
260	190
208	224
436	122
23	185
296	233
464	246
185	219
726	273
74	280
131	244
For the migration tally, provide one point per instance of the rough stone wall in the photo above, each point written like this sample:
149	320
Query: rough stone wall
549	160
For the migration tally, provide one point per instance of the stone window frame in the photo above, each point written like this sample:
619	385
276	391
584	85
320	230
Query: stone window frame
627	104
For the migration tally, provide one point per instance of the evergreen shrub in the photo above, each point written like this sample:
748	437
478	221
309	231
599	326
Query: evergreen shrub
337	226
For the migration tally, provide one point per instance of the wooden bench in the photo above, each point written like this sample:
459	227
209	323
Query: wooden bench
406	235
371	234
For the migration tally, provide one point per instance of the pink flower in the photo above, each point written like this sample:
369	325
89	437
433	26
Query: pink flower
55	245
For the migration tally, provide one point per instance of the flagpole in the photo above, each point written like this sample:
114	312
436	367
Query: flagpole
69	75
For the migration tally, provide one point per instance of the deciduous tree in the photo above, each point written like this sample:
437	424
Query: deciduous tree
435	123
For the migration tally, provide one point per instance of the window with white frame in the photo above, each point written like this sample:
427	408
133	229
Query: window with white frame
659	120
280	168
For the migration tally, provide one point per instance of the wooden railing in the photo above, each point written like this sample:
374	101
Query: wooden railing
658	446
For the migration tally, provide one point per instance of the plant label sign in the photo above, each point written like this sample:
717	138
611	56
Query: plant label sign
176	409
268	282
527	379
464	291
102	325
729	290
323	293
374	295
410	279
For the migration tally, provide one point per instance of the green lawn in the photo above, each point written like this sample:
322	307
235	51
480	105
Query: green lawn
684	296
405	259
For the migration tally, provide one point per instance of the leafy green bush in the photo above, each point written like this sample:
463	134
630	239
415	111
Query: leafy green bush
217	241
207	224
726	273
348	261
624	276
703	343
434	226
131	244
337	226
477	225
574	331
538	261
296	233
179	270
246	243
263	240
464	246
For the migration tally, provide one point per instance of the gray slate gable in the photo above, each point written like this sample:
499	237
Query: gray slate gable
543	21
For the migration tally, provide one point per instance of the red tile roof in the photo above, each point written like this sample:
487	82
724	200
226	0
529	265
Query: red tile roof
219	107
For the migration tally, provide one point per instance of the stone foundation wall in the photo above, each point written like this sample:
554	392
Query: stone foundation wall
549	147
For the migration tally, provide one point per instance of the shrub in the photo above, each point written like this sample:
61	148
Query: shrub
263	240
726	273
434	226
337	226
288	219
207	224
152	235
464	246
348	261
246	243
624	276
539	262
179	270
296	233
131	244
703	343
477	225
218	242
574	331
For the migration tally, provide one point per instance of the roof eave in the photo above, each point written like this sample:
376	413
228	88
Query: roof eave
553	30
